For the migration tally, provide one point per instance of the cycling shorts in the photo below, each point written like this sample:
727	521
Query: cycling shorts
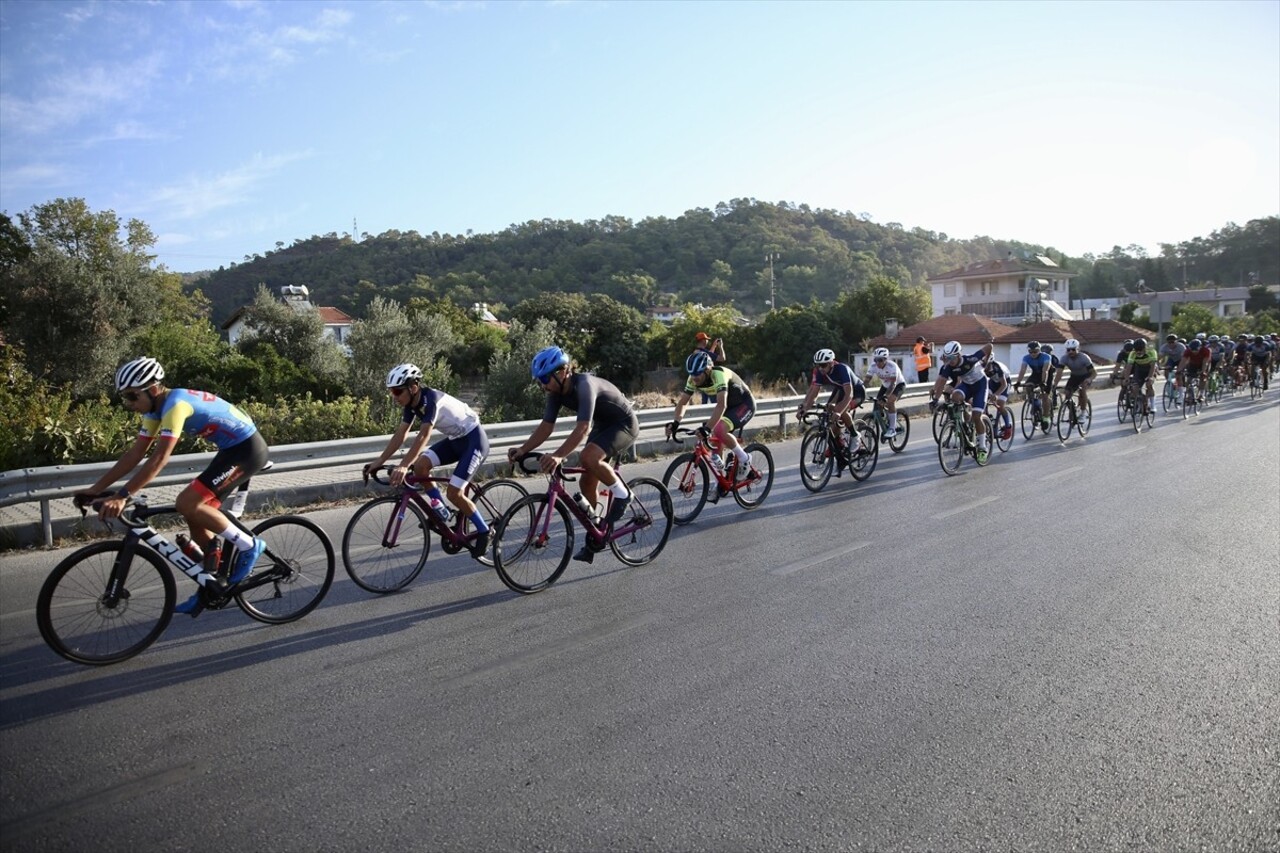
615	439
232	466
975	393
885	391
1074	383
468	451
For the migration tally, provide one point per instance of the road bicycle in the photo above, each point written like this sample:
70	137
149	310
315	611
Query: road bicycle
1213	388
1072	417
1002	439
1124	401
1137	408
1255	382
534	539
690	475
388	540
878	420
1033	413
960	437
110	600
1191	396
825	449
1171	396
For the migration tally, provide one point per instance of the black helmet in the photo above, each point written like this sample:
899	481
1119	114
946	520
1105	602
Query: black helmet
1033	346
1140	344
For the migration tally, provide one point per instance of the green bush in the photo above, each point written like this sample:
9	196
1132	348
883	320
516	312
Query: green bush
297	420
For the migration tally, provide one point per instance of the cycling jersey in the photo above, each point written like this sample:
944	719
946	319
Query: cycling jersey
1197	359
198	413
446	414
1142	363
969	370
889	375
839	376
722	379
596	400
1037	364
1173	353
1078	364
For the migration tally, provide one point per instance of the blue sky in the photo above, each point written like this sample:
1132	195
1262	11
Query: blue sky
231	126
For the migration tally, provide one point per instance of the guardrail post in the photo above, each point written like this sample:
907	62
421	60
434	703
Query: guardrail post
46	522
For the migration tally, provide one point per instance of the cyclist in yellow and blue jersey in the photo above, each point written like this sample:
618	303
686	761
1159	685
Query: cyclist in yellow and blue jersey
1141	369
735	404
166	414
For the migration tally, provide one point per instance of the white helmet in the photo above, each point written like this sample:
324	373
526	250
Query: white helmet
1072	343
139	373
823	356
403	374
880	352
951	349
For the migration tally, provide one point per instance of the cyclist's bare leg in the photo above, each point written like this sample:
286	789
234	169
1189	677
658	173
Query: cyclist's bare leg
596	471
203	518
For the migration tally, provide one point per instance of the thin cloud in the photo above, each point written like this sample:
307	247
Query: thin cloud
200	195
75	96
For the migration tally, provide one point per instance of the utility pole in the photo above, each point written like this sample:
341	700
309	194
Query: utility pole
773	295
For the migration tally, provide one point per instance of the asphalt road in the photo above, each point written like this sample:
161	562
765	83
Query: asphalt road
1075	648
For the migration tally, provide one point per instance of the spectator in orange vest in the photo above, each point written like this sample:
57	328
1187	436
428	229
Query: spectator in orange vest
924	360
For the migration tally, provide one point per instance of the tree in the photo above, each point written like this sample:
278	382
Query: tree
1191	319
389	336
716	321
296	333
510	394
79	287
861	313
783	345
617	348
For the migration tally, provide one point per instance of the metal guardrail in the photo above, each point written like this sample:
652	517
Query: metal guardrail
28	485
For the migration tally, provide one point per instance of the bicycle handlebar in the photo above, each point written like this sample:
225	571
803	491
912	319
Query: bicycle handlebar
561	472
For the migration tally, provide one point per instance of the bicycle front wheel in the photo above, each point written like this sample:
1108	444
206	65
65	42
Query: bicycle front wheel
1169	398
493	500
950	448
1122	406
1029	420
751	493
384	549
532	544
1003	441
863	462
1066	420
687	480
293	574
816	460
939	418
81	621
642	532
898	442
1084	419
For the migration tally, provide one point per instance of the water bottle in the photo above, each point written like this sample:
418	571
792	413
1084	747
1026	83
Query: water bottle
438	507
189	548
584	505
717	462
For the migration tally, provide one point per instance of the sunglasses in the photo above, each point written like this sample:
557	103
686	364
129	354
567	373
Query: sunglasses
545	379
131	396
398	390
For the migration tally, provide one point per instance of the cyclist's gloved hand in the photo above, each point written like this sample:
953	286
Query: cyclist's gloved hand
704	433
933	405
799	413
671	429
367	471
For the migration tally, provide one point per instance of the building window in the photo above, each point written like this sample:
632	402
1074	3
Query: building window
989	288
951	311
949	290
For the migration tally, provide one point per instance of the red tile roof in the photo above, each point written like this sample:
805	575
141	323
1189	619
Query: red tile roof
1006	266
1086	331
965	328
334	316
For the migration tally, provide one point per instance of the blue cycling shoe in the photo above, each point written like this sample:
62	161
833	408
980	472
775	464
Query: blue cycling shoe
192	606
245	561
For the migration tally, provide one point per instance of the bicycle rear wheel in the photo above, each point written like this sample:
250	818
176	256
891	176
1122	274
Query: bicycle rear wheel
79	621
950	449
532	544
493	499
377	560
646	525
1001	440
816	459
752	493
687	480
1084	418
293	574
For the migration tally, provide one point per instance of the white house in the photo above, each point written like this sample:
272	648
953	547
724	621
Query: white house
1014	290
337	324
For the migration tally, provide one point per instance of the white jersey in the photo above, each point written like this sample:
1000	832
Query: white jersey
889	375
448	415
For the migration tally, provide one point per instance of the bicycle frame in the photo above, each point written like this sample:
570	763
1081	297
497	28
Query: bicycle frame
597	536
452	539
726	480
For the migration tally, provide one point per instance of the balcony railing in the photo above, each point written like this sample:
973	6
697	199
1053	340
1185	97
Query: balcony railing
1008	308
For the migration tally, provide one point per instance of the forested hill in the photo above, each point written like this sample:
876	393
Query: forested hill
706	255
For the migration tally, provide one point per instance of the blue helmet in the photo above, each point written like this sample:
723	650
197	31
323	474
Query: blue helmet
547	360
698	363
